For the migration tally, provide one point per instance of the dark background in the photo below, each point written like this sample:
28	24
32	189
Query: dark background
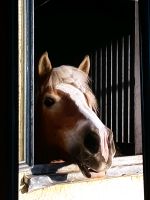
69	30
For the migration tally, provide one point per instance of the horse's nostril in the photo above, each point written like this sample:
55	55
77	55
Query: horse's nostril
92	142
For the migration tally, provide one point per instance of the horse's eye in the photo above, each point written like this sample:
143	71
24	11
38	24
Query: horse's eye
48	101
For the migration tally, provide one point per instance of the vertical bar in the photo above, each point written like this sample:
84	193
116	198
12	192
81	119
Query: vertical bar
21	80
132	85
29	71
114	88
101	83
111	86
126	63
137	90
106	82
129	46
117	88
122	90
98	79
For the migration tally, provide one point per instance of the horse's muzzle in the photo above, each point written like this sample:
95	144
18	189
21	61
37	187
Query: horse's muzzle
93	151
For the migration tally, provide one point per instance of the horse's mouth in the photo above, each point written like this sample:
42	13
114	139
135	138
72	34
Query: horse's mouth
86	171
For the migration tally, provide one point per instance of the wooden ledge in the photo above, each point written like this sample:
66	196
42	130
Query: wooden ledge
127	170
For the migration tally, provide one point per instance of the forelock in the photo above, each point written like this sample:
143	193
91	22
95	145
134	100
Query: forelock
75	77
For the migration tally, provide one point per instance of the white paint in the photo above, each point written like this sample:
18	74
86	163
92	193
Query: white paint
79	99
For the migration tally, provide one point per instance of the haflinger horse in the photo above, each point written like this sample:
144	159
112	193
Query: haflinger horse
68	128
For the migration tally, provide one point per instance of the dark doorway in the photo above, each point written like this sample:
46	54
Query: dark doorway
69	30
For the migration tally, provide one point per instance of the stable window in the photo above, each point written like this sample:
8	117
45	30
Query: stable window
109	33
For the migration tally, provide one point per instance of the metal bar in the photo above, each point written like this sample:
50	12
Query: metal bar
122	89
129	88
132	86
111	86
126	85
106	121
103	84
117	131
108	88
137	90
101	80
29	93
114	88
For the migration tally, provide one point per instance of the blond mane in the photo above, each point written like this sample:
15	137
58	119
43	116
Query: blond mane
77	78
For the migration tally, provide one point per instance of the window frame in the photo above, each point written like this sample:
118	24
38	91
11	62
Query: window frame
28	103
26	68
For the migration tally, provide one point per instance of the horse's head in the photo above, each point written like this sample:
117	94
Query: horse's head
68	127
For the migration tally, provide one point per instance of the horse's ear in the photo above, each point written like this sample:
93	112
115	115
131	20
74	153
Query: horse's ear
85	65
44	65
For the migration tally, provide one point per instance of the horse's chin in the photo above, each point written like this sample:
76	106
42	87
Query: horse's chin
85	170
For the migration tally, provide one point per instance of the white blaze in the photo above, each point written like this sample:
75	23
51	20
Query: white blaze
79	99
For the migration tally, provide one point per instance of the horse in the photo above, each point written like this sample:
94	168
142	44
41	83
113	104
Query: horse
68	127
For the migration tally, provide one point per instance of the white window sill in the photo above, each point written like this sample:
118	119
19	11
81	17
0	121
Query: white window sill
44	176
